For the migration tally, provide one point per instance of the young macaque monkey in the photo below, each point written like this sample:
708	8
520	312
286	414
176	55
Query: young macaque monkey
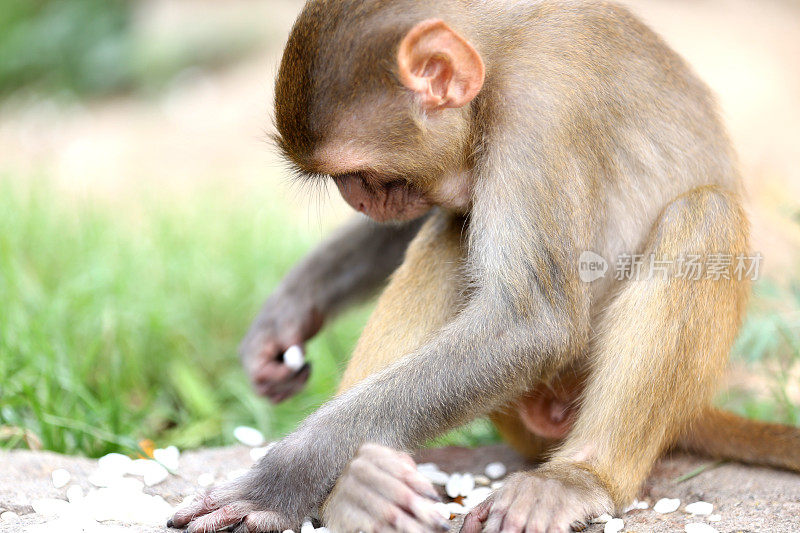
500	141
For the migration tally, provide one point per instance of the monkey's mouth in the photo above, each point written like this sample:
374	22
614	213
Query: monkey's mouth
383	200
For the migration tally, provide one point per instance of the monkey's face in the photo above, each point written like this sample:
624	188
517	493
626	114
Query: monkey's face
395	141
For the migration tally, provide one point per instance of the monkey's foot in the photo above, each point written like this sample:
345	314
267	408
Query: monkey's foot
223	507
555	498
381	490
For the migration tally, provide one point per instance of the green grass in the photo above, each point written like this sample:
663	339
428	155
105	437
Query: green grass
119	321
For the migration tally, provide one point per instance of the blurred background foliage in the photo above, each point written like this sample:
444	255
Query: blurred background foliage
143	219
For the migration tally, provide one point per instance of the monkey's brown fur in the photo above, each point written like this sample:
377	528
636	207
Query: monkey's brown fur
539	130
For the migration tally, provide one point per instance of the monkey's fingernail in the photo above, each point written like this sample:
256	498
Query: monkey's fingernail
170	523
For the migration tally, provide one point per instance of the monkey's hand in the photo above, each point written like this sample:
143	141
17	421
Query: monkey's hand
284	321
278	491
553	498
381	490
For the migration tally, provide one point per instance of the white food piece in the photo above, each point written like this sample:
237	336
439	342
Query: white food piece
9	516
261	451
700	508
60	478
496	485
467	484
453	486
205	480
667	505
456	508
74	494
294	358
49	506
495	470
699	527
249	436
307	526
476	497
615	525
636	505
442	509
167	457
154	473
432	473
114	464
322	529
602	519
714	518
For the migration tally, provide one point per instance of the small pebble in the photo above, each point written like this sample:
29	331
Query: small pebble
294	358
615	525
602	519
714	518
248	436
700	508
495	470
482	480
60	478
205	480
167	457
699	527
9	516
667	505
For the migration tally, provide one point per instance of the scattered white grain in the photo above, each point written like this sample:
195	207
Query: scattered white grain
49	506
261	451
322	529
476	497
168	457
442	509
9	516
714	518
288	531
667	505
482	480
74	494
602	519
205	480
456	508
467	484
155	474
636	505
495	470
432	473
307	526
248	436
496	485
615	525
294	358
453	486
700	508
114	464
699	527
60	478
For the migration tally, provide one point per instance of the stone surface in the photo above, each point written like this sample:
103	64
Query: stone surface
749	499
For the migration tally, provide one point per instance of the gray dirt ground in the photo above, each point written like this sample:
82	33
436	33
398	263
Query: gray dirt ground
749	499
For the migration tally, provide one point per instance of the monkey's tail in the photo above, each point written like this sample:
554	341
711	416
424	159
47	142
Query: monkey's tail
723	435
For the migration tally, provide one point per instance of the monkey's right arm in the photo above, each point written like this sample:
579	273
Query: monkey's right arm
346	268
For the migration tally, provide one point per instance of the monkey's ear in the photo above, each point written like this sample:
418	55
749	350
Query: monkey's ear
440	65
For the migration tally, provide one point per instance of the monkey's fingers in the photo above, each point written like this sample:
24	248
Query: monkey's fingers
263	522
224	517
278	392
401	466
473	523
202	504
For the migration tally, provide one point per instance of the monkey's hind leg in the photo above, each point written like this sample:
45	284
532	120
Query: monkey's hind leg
659	349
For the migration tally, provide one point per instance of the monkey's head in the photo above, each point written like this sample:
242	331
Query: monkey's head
378	99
